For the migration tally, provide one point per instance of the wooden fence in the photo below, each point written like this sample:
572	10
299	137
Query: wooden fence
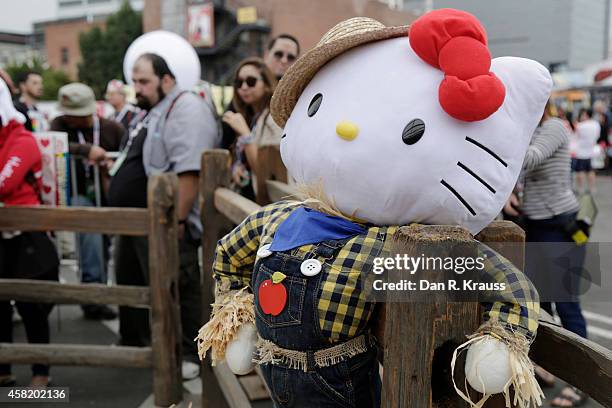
160	223
420	337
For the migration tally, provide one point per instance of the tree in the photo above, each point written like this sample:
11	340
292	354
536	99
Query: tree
53	79
102	51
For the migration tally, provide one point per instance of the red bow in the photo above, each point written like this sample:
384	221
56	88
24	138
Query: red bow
455	42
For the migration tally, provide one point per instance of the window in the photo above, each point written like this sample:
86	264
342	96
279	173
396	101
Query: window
65	56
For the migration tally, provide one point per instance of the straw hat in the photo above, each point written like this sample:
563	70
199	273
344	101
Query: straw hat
342	37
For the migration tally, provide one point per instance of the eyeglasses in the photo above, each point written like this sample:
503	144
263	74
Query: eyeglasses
251	81
279	55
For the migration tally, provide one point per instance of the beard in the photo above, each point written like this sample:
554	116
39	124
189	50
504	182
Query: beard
145	103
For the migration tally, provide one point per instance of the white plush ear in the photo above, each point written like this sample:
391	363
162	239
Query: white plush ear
528	85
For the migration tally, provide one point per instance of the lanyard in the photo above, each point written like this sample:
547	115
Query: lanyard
119	117
142	125
96	142
96	133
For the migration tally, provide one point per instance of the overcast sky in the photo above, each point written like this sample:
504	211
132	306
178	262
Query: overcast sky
17	16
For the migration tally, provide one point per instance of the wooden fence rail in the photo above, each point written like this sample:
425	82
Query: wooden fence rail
121	221
414	334
66	293
160	224
576	360
77	354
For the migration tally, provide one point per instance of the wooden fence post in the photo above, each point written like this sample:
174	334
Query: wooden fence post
215	173
270	166
415	331
163	277
507	239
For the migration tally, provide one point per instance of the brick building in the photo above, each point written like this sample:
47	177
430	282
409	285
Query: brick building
60	36
307	20
61	39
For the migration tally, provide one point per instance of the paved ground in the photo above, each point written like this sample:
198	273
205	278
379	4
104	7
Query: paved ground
597	302
131	388
89	387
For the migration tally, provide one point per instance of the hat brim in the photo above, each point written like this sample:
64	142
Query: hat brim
83	111
299	75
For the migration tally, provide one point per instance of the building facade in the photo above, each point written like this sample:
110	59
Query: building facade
558	33
61	42
307	20
17	48
90	9
60	36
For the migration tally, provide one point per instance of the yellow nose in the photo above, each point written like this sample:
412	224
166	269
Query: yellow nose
347	130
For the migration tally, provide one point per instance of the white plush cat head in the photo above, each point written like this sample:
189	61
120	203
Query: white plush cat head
398	129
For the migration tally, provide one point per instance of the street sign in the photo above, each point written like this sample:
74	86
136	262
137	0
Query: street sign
246	15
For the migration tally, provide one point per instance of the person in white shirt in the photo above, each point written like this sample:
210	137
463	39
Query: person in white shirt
116	96
587	133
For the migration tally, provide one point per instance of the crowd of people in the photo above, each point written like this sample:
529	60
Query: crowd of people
166	130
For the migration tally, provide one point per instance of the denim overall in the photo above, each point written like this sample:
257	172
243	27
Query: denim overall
353	382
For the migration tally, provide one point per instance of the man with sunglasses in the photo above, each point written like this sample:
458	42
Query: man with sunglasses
282	52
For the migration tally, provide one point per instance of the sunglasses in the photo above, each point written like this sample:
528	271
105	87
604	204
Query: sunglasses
279	55
251	81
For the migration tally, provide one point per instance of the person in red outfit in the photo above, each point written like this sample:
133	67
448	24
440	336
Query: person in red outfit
23	255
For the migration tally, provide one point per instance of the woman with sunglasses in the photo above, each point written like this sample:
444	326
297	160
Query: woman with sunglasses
254	84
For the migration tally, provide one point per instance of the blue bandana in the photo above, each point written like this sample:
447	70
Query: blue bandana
306	226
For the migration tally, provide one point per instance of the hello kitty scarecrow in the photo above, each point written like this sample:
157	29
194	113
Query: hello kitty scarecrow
383	127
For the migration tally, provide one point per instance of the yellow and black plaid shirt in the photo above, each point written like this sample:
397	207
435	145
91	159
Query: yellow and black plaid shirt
343	308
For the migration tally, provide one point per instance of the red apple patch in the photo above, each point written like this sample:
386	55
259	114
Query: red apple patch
46	189
273	295
44	142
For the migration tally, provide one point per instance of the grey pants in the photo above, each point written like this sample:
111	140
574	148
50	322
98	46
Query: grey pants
132	268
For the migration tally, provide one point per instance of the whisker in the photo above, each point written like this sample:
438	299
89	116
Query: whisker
476	176
452	190
486	149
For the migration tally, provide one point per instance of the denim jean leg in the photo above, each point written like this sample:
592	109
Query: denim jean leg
571	317
90	251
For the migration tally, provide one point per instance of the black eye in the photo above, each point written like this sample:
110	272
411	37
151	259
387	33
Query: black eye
413	131
314	104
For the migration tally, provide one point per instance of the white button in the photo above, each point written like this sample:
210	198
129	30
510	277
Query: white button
264	251
310	267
